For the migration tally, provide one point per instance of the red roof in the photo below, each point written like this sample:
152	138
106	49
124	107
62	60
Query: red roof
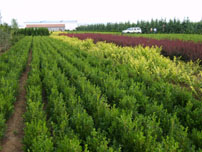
46	25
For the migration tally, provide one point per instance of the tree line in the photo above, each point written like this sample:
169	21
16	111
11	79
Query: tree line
33	31
7	36
10	34
162	26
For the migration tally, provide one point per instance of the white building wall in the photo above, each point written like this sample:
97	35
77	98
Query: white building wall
53	29
69	25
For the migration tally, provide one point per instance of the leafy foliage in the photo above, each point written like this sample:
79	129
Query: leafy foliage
7	37
33	31
186	50
163	26
12	64
122	99
37	135
100	97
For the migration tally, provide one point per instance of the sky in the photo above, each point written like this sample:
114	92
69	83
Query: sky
99	11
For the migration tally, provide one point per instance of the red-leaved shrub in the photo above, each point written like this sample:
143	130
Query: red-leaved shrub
187	50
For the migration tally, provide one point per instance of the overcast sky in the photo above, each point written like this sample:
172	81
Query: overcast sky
99	11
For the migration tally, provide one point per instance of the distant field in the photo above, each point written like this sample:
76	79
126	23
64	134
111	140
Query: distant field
185	37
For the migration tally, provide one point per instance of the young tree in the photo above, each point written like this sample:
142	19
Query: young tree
14	23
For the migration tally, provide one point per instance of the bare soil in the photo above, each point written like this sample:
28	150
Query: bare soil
1	52
12	141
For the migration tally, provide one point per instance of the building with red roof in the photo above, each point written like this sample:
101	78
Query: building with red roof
53	25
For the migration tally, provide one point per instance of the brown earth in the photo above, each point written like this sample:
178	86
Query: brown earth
1	52
12	141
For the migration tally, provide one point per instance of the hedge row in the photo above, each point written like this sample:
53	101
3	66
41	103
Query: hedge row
187	50
33	31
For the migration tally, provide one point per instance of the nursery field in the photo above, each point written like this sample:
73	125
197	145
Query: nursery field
187	50
101	97
184	37
158	36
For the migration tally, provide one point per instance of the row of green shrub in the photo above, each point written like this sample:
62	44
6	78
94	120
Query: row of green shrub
146	112
32	31
62	124
37	136
162	26
12	64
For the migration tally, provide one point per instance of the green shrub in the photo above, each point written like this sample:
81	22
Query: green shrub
33	31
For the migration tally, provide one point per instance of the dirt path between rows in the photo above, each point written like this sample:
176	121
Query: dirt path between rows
2	52
12	141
